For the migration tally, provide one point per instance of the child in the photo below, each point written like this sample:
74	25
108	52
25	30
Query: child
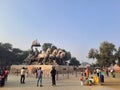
91	81
81	80
86	82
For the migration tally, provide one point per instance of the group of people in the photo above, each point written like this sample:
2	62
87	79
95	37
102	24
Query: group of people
39	75
112	71
96	78
3	76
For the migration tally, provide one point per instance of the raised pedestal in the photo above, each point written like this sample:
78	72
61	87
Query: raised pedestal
46	68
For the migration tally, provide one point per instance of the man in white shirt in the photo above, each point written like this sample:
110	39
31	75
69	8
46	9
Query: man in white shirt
98	71
22	79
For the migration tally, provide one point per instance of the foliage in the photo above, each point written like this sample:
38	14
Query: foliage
117	55
10	55
53	48
67	56
45	46
92	53
74	62
105	56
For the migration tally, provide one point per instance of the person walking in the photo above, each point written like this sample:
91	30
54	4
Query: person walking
39	76
112	72
53	73
22	79
6	74
107	72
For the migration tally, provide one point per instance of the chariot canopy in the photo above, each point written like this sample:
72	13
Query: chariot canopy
35	43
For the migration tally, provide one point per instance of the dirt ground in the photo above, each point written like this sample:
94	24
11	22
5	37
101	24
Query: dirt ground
113	82
70	84
109	84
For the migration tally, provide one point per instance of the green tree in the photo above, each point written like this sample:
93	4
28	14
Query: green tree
5	53
117	55
67	56
53	48
74	62
7	46
105	56
92	53
10	55
45	46
107	51
21	57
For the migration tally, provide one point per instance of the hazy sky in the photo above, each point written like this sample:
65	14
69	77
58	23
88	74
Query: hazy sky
73	25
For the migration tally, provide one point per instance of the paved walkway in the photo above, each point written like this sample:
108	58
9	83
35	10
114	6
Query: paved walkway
66	84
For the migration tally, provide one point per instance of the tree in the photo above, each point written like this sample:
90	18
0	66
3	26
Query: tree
45	46
10	55
107	51
117	55
5	53
74	62
16	51
7	46
105	56
92	53
67	56
21	57
53	48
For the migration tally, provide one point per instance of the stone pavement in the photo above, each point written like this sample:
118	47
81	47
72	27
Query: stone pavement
66	84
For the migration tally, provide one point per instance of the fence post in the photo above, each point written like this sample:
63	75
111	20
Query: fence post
17	72
57	76
68	72
76	72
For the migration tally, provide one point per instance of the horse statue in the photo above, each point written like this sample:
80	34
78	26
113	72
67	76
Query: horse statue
43	58
49	57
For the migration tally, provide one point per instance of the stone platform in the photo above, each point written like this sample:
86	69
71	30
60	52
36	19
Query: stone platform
46	68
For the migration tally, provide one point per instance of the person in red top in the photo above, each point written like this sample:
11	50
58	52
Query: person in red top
82	79
6	74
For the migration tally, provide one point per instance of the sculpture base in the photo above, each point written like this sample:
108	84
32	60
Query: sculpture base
46	69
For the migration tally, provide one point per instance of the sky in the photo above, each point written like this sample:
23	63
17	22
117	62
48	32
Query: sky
73	25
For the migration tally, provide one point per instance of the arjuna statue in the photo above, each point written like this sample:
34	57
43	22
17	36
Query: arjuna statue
49	57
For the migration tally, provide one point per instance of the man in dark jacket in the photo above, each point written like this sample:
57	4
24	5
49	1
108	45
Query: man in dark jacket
53	73
2	77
